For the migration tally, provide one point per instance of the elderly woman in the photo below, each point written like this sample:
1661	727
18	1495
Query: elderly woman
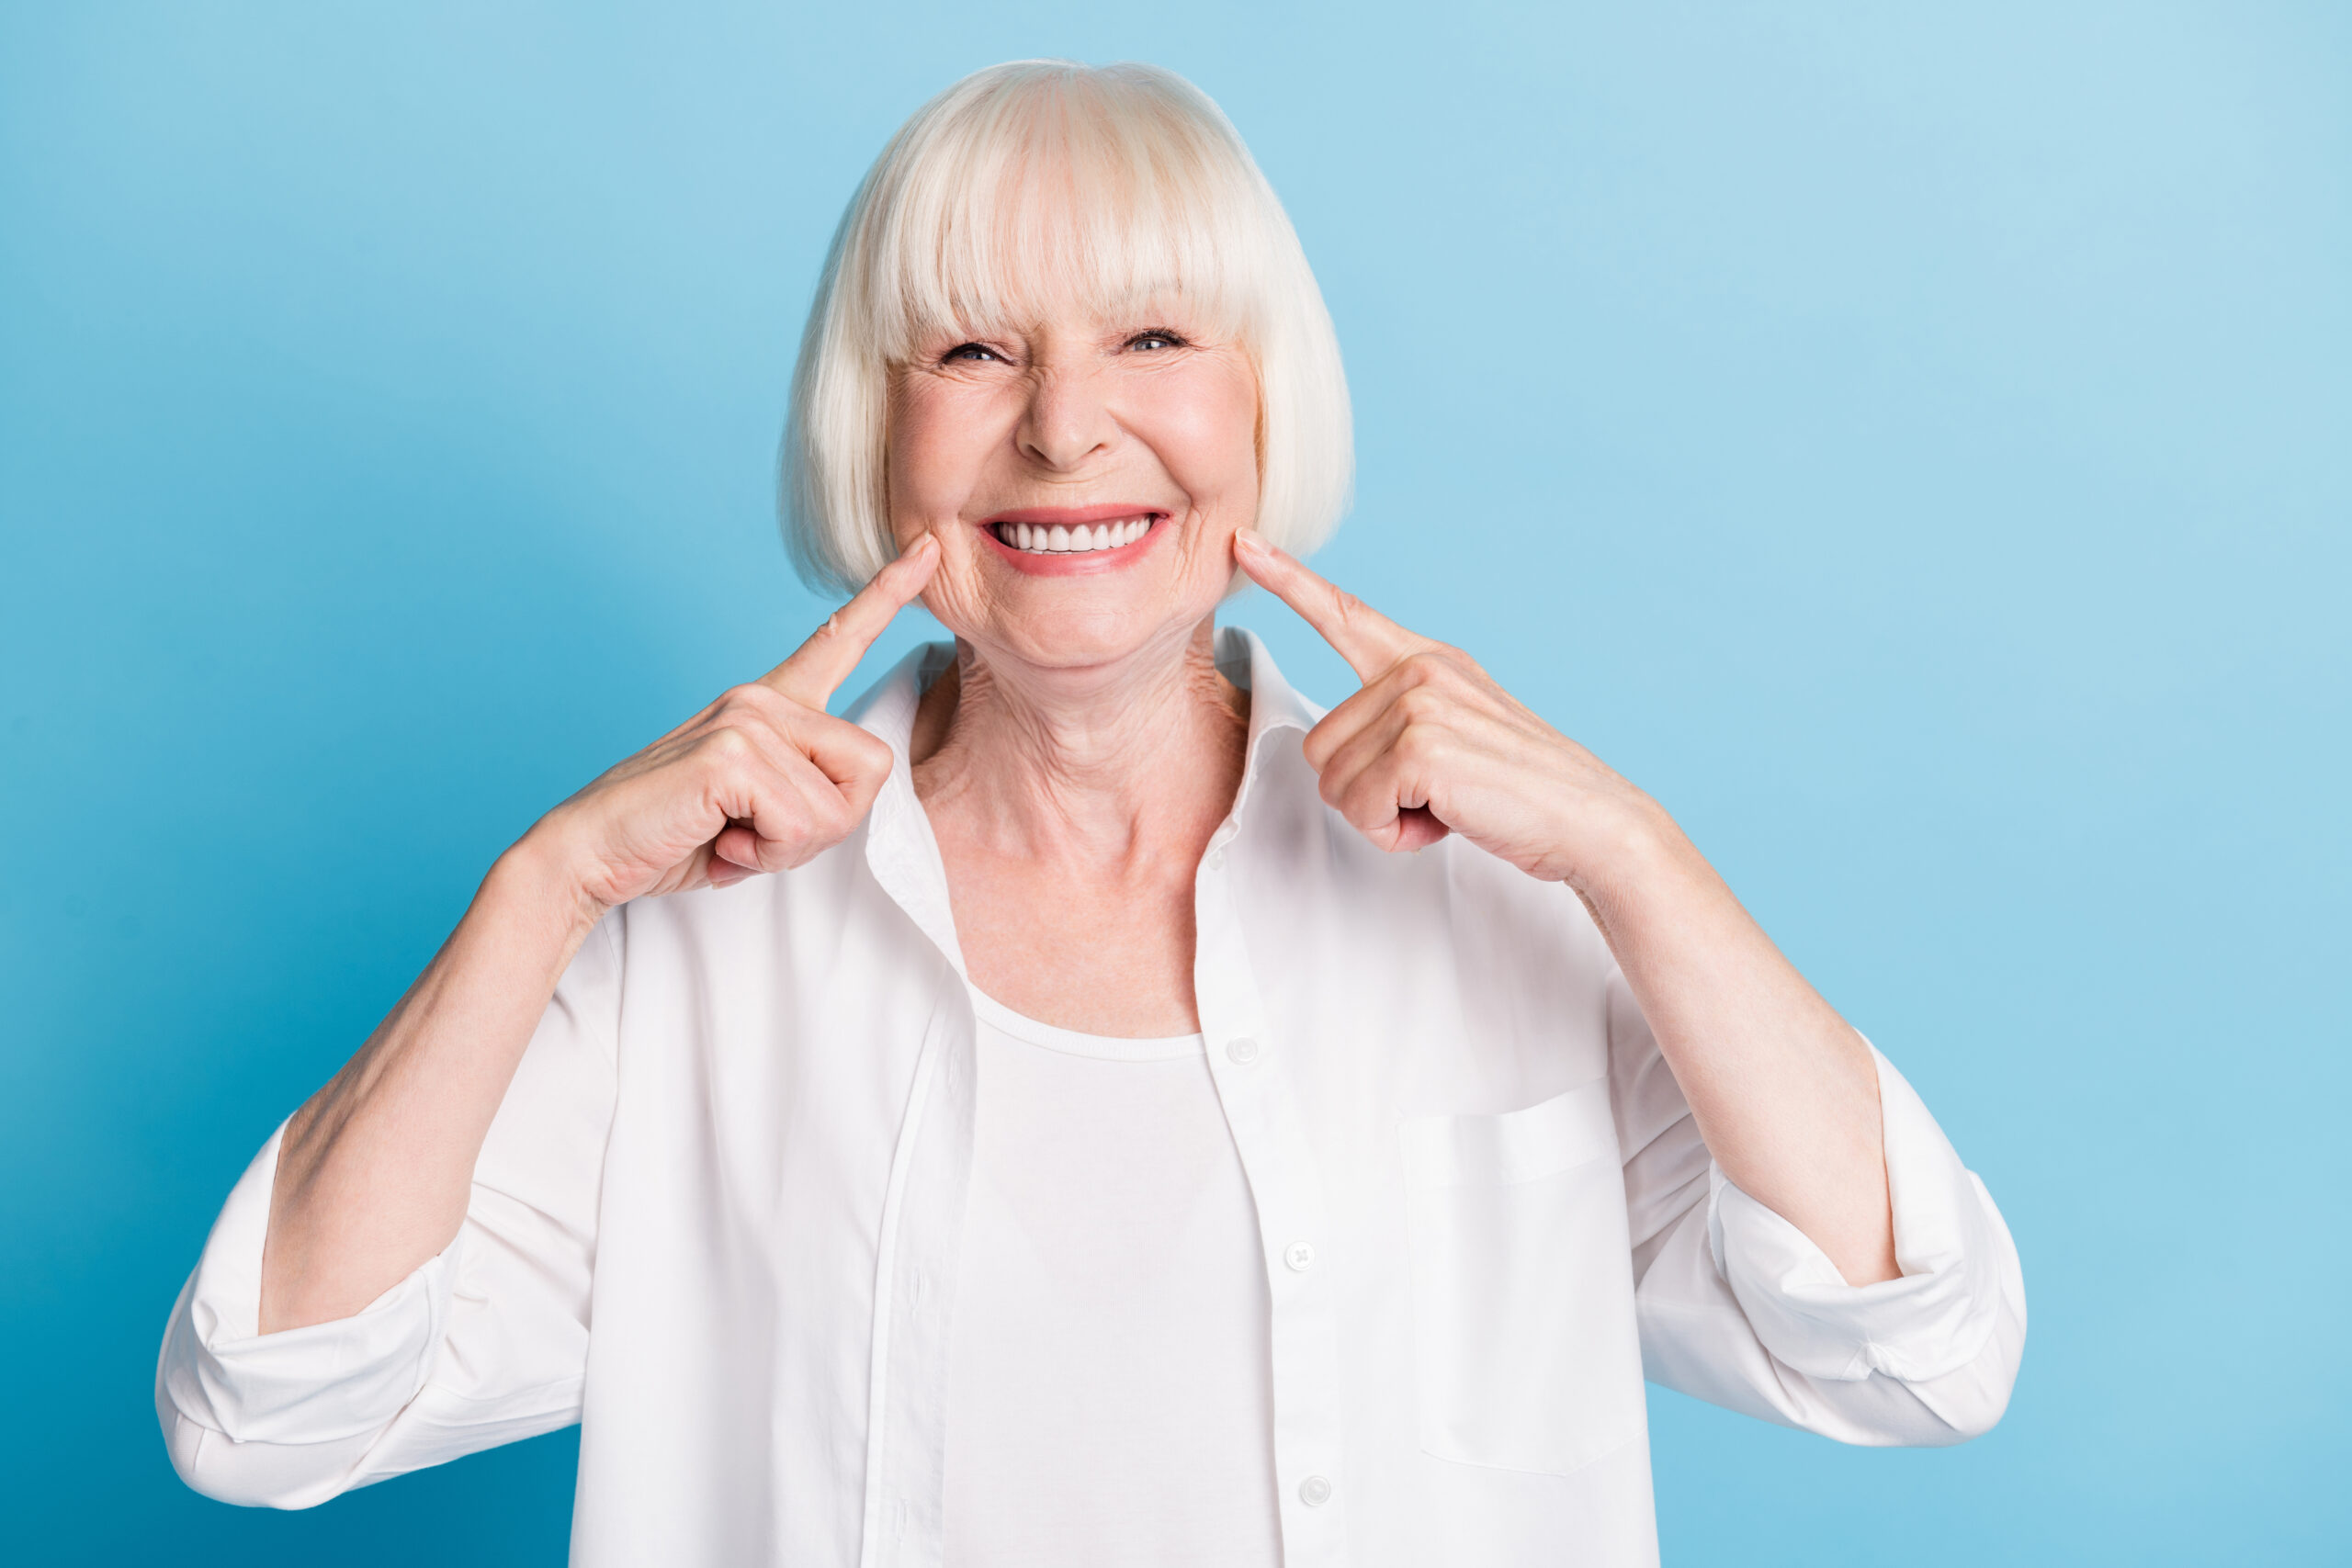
1091	1106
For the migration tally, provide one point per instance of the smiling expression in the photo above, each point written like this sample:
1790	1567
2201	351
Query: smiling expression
1085	479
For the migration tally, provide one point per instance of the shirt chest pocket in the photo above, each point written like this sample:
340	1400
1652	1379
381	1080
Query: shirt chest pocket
1528	1355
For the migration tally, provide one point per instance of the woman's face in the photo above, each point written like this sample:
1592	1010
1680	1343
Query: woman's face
1085	478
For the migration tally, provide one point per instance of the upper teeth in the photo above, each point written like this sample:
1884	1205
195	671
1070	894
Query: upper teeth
1038	537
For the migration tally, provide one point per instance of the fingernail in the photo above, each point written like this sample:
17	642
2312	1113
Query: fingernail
1249	537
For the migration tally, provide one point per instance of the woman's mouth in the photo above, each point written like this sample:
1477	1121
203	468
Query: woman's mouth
1072	538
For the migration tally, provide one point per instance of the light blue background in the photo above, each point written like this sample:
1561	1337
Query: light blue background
1915	444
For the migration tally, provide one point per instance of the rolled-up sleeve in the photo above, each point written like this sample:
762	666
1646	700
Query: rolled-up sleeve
1737	1307
482	1344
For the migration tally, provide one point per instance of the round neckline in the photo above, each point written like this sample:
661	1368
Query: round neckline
1069	1042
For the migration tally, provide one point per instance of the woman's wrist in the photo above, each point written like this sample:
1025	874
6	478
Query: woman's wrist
537	881
1638	857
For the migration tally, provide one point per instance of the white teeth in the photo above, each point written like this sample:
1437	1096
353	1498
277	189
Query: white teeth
1037	539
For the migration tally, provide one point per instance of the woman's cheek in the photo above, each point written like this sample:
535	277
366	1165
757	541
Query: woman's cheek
949	597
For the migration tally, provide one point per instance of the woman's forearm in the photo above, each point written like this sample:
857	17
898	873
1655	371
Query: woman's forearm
1784	1090
374	1171
373	1174
1785	1093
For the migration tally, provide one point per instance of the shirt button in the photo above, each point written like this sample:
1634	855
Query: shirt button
1315	1491
1241	1052
1300	1255
1217	859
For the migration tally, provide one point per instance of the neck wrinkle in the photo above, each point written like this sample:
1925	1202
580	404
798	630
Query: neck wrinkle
1144	759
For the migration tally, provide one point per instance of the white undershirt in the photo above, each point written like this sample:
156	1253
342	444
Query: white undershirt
1109	1394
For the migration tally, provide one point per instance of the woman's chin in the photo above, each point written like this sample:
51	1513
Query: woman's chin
1067	637
1080	623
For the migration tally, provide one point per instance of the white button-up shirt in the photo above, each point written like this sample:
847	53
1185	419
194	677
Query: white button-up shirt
717	1221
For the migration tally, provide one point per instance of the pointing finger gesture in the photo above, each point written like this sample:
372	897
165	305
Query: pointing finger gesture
1431	744
820	665
761	779
1368	640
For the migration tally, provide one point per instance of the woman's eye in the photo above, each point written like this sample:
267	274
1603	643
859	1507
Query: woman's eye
969	353
1155	340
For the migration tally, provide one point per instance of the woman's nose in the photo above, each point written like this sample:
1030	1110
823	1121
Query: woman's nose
1068	420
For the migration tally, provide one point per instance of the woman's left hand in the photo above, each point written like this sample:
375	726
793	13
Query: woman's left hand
1432	745
1784	1091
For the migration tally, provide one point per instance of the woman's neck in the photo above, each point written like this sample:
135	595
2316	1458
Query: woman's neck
1071	808
1089	766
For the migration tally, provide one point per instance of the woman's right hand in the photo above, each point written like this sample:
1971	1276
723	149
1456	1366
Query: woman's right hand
764	779
374	1173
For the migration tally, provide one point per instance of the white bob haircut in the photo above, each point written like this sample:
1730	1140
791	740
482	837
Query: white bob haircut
1045	183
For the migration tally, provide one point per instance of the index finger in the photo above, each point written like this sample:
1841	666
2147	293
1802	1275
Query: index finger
825	661
1367	639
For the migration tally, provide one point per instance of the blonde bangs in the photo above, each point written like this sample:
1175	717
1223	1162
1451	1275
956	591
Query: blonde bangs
1027	189
1074	190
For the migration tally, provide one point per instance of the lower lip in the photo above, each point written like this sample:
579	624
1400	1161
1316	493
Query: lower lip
1074	563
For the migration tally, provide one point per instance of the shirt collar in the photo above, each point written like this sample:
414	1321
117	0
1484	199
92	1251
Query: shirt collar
899	844
1274	707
